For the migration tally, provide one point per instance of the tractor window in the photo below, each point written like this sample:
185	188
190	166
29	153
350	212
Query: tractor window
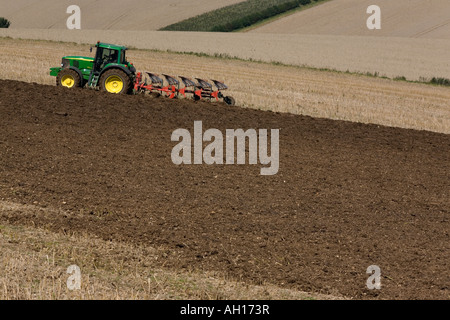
105	56
124	59
110	56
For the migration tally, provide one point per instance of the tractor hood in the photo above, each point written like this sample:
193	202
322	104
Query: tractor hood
79	58
77	62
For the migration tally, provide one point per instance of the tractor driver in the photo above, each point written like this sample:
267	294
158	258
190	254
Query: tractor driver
107	59
113	57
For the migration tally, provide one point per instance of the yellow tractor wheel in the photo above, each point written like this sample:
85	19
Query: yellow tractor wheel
115	81
68	78
114	84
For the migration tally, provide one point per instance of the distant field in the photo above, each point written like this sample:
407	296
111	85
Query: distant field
237	16
391	57
264	86
105	14
399	18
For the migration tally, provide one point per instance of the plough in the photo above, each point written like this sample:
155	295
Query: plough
200	90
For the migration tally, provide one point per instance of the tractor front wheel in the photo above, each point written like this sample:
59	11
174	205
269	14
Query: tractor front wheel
68	78
115	81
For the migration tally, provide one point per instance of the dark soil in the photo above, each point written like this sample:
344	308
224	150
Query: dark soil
347	195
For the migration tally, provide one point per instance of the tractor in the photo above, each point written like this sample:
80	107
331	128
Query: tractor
111	72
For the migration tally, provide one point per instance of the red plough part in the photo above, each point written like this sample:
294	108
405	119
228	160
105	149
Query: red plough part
199	90
156	85
191	87
174	85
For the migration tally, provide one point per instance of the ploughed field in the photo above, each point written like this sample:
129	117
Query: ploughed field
347	195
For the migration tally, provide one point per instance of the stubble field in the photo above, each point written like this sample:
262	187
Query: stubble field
400	18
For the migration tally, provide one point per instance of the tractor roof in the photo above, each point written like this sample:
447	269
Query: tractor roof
110	46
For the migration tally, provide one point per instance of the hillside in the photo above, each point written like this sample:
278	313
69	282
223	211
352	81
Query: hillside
105	14
400	18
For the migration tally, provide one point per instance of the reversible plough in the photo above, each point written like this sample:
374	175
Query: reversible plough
172	89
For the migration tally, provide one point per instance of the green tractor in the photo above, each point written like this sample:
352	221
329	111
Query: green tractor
109	70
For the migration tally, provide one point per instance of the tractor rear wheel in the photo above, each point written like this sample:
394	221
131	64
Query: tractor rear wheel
115	81
68	78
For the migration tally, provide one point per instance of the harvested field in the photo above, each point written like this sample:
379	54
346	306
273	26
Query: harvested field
264	86
105	14
391	57
400	18
347	195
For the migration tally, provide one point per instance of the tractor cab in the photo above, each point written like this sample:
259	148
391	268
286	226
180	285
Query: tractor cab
109	54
